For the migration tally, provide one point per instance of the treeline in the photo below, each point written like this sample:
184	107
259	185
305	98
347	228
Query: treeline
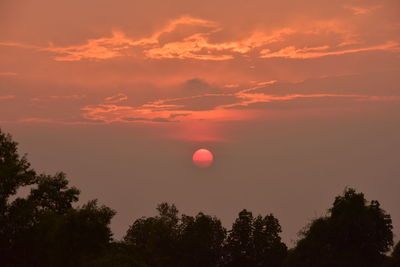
45	228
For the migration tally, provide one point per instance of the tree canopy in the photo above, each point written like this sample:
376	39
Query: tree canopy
172	240
255	241
43	228
354	233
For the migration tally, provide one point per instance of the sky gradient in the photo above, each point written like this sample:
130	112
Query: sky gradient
296	100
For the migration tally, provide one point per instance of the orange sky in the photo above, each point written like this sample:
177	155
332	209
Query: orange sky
195	73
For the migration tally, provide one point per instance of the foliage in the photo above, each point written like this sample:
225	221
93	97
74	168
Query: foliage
118	254
354	233
170	240
395	261
156	237
201	240
15	171
254	242
44	229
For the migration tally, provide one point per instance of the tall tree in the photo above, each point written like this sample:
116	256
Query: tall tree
44	229
156	238
15	172
240	248
354	233
201	241
254	242
47	231
268	245
50	195
70	239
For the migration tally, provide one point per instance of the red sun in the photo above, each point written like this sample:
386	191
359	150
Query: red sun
203	158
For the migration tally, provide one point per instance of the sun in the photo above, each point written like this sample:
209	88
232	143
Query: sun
203	158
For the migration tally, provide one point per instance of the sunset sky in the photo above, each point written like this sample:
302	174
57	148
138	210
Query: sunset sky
295	99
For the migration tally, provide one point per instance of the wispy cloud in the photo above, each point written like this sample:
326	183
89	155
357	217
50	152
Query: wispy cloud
58	97
198	46
116	98
6	97
8	74
181	109
322	51
196	43
362	10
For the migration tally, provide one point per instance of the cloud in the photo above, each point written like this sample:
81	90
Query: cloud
323	51
198	42
118	43
116	98
196	84
102	48
212	106
146	119
176	115
231	85
359	10
198	46
6	97
58	97
20	45
8	74
394	98
37	120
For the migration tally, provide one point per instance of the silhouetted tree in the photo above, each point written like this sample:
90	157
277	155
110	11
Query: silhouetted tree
43	229
239	248
172	240
68	239
254	242
50	196
395	259
15	171
53	194
156	238
201	241
118	254
269	248
354	233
